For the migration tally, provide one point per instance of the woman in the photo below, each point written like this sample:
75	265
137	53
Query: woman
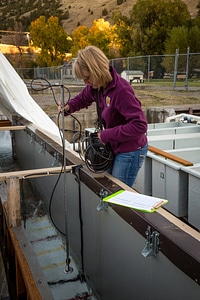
123	120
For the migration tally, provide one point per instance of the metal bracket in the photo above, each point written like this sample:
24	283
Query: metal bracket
76	168
152	243
43	146
56	159
32	140
102	205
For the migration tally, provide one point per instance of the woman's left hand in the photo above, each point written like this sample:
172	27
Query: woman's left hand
99	135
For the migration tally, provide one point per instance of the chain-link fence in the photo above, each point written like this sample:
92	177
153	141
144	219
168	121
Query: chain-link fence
177	69
160	68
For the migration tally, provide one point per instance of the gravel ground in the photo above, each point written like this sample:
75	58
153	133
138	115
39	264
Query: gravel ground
149	95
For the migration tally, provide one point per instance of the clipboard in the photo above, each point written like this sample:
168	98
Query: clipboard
135	201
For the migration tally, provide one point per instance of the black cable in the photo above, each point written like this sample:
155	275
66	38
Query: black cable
50	202
52	194
76	171
103	162
95	159
48	85
38	87
43	87
96	166
98	157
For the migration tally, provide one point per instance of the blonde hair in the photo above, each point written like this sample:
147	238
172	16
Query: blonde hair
93	60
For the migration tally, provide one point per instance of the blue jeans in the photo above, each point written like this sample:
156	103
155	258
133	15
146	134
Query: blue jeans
126	166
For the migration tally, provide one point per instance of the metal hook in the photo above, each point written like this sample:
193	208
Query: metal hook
102	205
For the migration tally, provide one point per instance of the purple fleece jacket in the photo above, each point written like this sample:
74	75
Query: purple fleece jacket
124	121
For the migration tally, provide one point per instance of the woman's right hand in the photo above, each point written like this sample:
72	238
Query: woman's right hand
60	109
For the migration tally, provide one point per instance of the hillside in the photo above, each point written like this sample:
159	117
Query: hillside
84	12
72	13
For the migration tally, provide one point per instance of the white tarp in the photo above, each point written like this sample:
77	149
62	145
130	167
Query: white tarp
15	99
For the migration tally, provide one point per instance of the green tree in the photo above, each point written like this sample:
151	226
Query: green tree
193	39
153	20
181	38
178	39
125	34
51	38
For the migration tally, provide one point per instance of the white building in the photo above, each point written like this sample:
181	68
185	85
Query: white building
131	76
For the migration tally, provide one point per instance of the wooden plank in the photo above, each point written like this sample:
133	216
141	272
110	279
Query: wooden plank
20	286
170	156
14	209
6	128
35	172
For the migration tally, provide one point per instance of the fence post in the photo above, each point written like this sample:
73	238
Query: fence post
148	67
14	210
176	66
187	68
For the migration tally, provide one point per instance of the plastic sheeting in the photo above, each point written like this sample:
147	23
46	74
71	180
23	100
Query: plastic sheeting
16	100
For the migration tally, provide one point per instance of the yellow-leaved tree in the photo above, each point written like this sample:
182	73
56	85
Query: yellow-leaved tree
51	38
101	34
80	39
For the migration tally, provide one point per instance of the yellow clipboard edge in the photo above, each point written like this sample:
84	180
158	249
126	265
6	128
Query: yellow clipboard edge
147	211
106	199
113	195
